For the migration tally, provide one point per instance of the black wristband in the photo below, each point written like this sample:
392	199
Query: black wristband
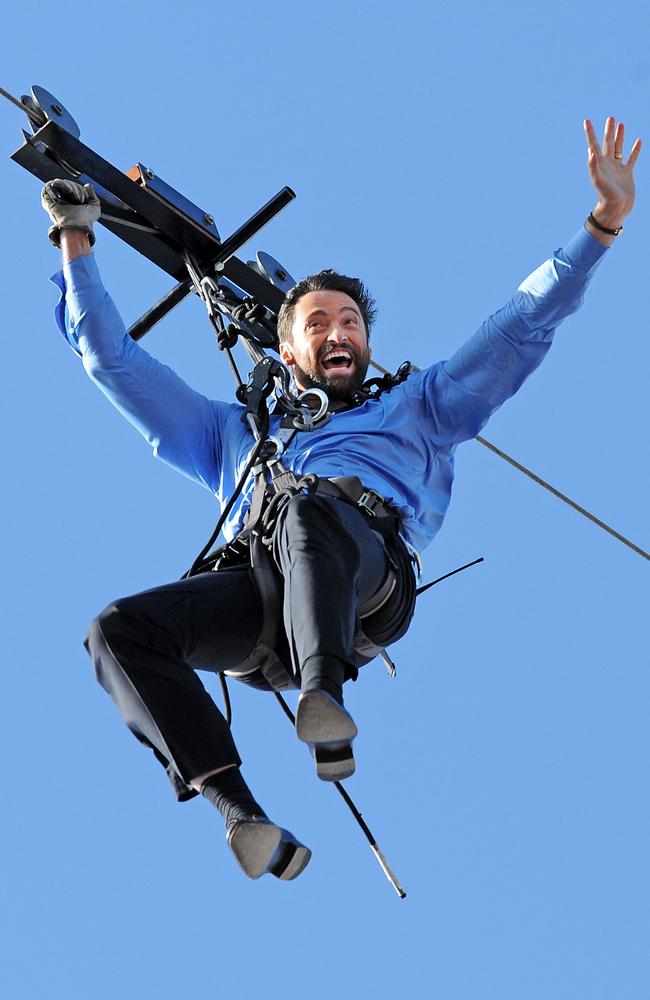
603	229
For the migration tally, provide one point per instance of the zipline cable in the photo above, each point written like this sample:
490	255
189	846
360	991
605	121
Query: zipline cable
561	496
547	486
14	100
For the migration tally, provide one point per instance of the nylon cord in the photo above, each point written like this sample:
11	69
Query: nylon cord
226	511
446	576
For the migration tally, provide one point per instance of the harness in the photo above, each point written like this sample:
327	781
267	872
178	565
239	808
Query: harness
383	618
386	615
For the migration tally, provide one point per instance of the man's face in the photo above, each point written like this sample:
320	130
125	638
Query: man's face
330	344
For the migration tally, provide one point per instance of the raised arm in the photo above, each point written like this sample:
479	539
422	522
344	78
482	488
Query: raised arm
460	394
183	427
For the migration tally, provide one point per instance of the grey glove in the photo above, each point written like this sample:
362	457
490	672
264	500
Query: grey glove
70	206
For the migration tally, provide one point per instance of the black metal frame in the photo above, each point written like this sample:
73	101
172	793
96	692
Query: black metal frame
148	214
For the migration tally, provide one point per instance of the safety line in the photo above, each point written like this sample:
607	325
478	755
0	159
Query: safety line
367	832
542	482
561	496
460	569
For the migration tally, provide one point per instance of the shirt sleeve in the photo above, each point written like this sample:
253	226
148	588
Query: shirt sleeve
458	396
183	427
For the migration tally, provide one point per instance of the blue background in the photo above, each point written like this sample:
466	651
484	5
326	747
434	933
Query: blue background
437	151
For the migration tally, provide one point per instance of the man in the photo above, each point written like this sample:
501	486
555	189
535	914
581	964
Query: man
343	560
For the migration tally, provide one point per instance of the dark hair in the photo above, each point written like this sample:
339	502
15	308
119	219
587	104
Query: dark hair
327	280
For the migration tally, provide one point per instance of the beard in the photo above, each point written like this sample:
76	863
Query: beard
340	388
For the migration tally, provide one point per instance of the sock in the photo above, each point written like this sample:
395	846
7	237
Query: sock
229	793
324	673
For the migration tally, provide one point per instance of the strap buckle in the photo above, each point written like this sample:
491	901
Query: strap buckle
368	500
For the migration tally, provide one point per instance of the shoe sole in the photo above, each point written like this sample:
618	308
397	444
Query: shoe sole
265	847
329	730
334	764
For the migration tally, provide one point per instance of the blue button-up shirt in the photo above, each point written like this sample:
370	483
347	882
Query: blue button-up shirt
401	445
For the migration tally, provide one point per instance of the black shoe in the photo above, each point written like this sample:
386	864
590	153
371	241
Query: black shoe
261	847
329	730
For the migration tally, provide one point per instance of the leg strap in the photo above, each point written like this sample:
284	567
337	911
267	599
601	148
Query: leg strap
264	660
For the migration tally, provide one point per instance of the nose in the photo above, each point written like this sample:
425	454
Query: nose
337	334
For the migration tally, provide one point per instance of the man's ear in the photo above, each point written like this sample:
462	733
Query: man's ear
286	352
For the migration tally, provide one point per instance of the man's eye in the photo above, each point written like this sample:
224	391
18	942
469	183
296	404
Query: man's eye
314	322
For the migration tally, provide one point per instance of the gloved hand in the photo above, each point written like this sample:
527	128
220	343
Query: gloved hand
70	206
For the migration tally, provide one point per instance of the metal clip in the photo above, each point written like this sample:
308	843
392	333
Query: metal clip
304	421
388	663
311	415
369	500
281	478
209	293
279	444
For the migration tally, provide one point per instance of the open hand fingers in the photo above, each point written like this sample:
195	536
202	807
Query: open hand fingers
613	141
592	139
619	138
634	154
608	137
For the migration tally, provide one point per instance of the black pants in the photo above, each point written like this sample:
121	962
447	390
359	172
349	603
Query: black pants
146	648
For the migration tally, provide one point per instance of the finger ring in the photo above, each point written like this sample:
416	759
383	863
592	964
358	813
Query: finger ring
618	156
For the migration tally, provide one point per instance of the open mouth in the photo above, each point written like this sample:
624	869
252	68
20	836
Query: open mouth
338	361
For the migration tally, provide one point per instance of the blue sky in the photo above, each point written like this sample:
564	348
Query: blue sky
438	153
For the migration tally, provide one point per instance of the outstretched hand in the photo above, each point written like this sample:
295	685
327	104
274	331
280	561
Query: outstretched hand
612	178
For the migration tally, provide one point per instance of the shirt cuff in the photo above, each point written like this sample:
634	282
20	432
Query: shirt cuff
77	275
81	273
583	251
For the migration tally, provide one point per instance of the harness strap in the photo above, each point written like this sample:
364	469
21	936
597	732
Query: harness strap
351	488
256	509
380	598
263	657
383	615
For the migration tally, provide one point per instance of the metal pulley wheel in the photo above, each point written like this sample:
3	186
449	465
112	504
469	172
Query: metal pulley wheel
274	271
43	106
